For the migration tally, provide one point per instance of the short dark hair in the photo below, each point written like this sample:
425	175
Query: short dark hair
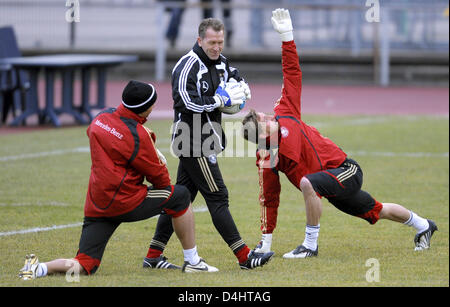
214	23
250	127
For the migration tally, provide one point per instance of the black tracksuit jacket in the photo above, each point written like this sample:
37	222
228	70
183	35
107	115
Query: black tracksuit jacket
197	122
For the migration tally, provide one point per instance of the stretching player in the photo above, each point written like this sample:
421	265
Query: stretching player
311	162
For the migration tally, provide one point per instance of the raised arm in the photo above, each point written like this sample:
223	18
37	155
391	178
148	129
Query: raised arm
292	75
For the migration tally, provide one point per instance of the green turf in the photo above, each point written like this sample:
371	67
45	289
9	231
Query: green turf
404	159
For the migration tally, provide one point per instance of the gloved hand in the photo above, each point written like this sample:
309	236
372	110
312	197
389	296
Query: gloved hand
229	94
281	22
245	87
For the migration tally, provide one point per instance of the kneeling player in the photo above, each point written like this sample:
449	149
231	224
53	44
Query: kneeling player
123	154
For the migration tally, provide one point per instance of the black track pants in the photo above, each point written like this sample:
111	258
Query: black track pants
202	175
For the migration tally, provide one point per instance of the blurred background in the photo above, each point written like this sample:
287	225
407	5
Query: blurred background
357	56
409	44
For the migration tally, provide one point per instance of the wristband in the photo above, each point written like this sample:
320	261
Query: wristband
287	36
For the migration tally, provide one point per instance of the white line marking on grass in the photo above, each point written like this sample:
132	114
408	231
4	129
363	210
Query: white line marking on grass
55	227
201	209
242	153
399	154
45	154
38	203
237	153
38	229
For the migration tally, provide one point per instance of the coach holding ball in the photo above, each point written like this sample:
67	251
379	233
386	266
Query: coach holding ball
203	86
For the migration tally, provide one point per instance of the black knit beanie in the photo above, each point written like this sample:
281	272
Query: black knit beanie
138	96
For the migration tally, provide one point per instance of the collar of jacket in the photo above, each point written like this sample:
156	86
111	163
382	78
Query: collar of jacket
202	55
124	112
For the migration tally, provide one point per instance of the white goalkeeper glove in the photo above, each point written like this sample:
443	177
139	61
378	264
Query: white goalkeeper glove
281	22
248	94
229	94
161	156
245	87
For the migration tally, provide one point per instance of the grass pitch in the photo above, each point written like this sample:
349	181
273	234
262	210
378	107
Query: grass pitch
44	177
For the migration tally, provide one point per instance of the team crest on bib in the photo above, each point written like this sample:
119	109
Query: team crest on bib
284	132
212	159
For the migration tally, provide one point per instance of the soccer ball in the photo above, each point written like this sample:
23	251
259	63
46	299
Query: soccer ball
232	109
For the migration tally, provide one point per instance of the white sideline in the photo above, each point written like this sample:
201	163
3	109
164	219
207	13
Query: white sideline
38	229
44	154
239	154
55	227
398	154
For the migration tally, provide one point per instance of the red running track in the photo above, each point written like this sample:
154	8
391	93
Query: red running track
316	99
333	100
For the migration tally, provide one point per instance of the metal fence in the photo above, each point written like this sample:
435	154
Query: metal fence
140	26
